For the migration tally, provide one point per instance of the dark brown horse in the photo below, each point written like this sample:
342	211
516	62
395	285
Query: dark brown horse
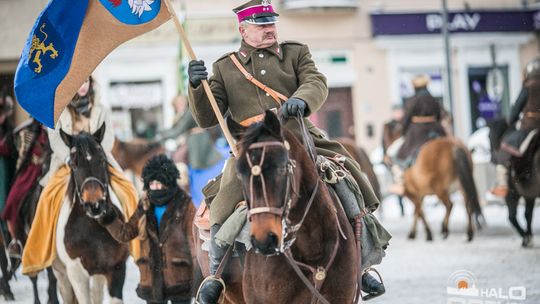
439	164
304	245
86	252
361	157
26	214
524	179
134	154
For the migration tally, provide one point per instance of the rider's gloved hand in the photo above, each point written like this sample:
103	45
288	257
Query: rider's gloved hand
293	106
197	72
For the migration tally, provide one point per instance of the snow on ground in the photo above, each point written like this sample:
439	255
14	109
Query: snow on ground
419	271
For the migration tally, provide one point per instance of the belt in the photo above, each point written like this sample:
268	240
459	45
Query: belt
423	119
278	97
253	119
534	115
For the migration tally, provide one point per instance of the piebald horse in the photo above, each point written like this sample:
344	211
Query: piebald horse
87	255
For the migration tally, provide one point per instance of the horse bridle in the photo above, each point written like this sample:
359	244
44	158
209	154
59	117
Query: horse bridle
86	181
288	229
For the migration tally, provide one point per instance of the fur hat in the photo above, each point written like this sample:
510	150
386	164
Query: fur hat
160	168
421	81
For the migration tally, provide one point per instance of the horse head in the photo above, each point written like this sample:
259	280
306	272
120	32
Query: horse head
265	165
89	170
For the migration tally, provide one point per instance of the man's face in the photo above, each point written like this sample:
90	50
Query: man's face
259	36
156	185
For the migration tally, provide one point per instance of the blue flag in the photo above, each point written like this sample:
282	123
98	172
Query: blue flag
68	40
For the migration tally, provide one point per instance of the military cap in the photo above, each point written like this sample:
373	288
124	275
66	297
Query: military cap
256	12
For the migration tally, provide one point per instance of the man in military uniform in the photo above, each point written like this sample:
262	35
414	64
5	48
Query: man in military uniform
528	104
285	67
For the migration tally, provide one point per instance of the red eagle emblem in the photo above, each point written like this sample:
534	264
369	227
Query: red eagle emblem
115	3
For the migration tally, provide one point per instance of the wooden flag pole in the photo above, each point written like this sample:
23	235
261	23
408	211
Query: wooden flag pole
204	83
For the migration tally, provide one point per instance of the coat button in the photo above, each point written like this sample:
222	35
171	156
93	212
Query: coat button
263	72
261	55
267	94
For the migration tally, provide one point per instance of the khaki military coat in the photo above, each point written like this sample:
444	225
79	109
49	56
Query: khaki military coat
288	69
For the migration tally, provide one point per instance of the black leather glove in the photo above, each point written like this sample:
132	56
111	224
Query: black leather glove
108	216
293	106
197	72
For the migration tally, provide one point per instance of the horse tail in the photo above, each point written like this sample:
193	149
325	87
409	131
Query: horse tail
463	166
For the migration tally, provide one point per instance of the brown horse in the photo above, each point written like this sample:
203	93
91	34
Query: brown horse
304	245
134	154
439	164
361	157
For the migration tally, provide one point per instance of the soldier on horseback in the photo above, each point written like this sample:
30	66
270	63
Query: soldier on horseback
421	123
523	121
286	69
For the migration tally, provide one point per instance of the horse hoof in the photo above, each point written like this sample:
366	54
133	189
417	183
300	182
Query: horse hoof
469	238
527	242
429	238
445	235
9	297
411	236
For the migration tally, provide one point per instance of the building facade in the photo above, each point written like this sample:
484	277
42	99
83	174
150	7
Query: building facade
368	49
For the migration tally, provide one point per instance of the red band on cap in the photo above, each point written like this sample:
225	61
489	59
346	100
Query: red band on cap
254	10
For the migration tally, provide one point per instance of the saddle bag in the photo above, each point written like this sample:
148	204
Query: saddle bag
374	237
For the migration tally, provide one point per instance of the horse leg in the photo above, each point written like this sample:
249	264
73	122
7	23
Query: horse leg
80	281
529	207
35	289
97	282
5	290
417	209
445	199
115	283
512	200
66	290
429	236
51	291
412	233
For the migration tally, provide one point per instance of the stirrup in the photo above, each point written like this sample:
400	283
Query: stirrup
372	296
210	278
11	249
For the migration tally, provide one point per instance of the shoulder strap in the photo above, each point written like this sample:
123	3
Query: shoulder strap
278	97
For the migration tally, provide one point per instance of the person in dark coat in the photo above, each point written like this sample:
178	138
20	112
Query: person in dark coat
421	122
32	148
524	118
163	222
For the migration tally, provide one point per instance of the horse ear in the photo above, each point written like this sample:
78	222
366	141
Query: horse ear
100	133
66	138
237	130
271	121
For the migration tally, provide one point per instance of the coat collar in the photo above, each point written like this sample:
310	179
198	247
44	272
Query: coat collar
246	51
